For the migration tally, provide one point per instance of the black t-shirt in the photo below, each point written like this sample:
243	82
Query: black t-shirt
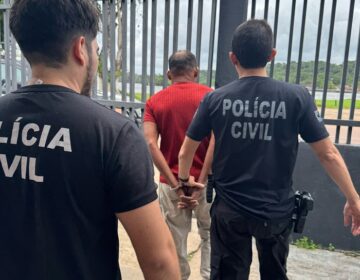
256	122
67	165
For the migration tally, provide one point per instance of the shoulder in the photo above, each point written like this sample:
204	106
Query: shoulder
86	110
291	88
106	116
6	98
204	88
158	96
219	93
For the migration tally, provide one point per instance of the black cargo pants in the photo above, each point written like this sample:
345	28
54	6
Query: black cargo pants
231	245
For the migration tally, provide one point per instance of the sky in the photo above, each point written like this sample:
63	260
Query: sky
311	28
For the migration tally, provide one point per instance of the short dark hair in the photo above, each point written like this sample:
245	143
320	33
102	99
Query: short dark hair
45	29
182	62
252	43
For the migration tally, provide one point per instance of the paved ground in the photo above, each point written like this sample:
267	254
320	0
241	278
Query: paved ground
302	264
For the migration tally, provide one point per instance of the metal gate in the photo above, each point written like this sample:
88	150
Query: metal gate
137	37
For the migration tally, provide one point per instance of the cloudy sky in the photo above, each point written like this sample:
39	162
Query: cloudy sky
312	18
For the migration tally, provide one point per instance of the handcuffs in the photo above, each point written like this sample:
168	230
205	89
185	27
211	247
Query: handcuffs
182	184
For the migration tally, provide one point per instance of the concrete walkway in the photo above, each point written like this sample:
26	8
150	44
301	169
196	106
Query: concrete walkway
302	264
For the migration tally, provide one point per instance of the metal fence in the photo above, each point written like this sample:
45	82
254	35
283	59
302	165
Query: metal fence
299	9
154	25
137	37
14	69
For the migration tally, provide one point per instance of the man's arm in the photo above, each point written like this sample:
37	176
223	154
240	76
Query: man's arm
152	241
207	161
186	156
335	166
152	136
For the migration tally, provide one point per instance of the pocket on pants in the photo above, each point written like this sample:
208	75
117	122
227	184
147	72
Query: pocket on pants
169	193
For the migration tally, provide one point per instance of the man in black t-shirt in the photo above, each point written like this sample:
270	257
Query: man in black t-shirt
69	167
256	122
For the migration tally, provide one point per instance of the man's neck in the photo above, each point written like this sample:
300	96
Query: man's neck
53	76
182	79
255	72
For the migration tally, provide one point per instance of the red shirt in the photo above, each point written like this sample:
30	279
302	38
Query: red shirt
172	110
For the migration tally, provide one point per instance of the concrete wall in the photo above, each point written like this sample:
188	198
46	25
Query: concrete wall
325	223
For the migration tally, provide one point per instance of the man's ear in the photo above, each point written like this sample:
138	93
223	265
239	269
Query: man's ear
79	50
196	72
168	73
272	55
233	58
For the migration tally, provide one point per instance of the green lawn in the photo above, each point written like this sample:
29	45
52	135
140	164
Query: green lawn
330	104
334	104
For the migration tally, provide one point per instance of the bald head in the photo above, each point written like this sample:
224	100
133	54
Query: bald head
182	63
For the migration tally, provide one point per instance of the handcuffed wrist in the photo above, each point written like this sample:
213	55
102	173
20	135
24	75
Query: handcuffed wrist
183	180
175	189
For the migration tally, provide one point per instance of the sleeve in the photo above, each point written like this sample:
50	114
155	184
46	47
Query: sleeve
311	126
149	113
129	171
200	126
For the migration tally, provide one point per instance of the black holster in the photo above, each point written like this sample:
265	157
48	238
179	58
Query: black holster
210	188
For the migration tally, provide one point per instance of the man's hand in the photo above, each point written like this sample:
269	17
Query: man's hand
352	216
192	192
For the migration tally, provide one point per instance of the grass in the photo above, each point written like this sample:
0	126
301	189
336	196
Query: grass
306	243
334	104
330	104
138	96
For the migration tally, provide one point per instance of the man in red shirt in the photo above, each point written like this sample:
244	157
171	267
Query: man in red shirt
168	115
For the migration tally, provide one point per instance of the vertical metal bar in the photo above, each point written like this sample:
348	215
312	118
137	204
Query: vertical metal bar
2	46
266	9
132	49
176	26
253	8
144	51
354	91
276	21
211	43
124	50
95	87
166	42
199	31
7	48
7	51
302	33
328	57
189	25
112	50
345	68
105	22
153	47
28	70
14	65
23	70
317	52
288	63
